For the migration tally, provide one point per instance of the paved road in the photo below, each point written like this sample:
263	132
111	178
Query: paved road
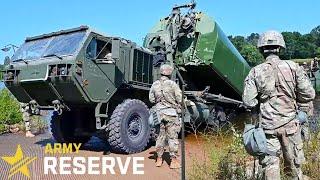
95	147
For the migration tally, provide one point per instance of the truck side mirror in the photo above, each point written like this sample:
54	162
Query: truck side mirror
7	60
115	49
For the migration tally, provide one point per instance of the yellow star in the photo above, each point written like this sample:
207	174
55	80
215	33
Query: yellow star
19	164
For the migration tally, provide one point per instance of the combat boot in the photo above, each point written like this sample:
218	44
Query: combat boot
305	177
29	134
159	162
174	163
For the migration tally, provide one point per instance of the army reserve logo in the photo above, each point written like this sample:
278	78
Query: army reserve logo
19	163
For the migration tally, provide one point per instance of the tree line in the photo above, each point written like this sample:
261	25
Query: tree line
299	46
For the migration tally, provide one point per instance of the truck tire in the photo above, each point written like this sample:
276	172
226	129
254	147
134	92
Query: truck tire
129	130
62	129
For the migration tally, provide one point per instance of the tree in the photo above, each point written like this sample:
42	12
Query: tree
291	39
251	54
315	32
238	41
253	39
318	52
298	46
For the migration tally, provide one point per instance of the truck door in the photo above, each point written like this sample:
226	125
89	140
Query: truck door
99	70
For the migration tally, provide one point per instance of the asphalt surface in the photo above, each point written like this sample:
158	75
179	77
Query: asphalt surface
95	147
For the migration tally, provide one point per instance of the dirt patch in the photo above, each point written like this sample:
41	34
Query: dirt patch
95	147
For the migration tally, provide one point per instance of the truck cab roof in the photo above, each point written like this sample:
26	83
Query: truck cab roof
60	43
67	31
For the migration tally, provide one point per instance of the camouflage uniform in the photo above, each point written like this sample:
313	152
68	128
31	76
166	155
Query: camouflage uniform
24	108
309	109
167	96
278	86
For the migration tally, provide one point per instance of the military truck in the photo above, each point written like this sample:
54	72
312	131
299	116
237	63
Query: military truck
206	60
91	81
98	84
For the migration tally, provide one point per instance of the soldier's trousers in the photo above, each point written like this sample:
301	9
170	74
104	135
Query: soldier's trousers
169	130
26	116
288	139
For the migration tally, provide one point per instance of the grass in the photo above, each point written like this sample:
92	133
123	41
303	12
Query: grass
312	154
226	158
213	150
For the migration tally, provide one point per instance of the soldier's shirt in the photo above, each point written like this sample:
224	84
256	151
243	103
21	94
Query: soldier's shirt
166	94
278	91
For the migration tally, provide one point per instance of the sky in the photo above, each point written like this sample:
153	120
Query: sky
132	19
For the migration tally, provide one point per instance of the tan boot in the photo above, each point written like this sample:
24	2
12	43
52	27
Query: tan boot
159	162
174	163
305	177
29	134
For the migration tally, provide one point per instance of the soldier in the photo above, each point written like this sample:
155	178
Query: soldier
26	118
278	86
305	66
167	96
309	109
314	64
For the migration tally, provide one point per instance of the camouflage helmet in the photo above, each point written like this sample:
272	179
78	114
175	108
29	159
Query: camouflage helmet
271	38
166	69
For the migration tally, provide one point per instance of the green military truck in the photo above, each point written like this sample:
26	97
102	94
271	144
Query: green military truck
98	84
91	81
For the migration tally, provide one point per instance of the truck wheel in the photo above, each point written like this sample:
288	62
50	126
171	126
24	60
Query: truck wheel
129	130
63	129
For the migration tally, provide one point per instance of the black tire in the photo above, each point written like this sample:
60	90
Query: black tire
63	129
129	130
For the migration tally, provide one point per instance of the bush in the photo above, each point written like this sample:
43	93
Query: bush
3	128
9	109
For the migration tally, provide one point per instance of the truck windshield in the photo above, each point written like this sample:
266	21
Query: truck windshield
60	45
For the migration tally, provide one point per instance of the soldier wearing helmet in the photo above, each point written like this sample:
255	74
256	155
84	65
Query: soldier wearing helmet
280	89
305	66
26	116
167	96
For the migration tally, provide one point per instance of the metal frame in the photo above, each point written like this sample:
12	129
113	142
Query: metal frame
98	116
